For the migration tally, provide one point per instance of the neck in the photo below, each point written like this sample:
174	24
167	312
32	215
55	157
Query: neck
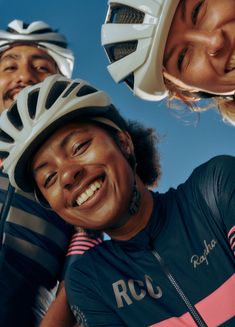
138	221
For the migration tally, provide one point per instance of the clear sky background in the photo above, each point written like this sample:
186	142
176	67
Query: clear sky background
187	140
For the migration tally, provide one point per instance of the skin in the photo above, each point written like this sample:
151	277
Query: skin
200	44
73	158
20	66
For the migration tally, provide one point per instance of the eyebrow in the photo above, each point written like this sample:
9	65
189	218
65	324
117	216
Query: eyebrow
15	56
42	165
68	137
168	56
182	8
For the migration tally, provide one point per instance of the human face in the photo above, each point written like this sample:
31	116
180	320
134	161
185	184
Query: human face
200	49
21	66
84	176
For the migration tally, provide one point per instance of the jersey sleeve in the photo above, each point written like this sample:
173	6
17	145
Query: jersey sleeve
81	242
216	179
86	298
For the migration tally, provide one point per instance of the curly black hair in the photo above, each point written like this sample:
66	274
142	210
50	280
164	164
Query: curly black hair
146	157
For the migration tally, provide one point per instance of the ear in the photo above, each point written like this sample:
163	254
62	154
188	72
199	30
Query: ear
126	144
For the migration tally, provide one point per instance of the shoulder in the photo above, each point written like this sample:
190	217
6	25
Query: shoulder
215	171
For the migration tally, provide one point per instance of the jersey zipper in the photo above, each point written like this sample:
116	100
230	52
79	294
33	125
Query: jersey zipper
193	311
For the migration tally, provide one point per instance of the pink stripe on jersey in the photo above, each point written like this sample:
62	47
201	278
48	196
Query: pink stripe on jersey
215	309
86	240
232	238
75	252
232	230
81	242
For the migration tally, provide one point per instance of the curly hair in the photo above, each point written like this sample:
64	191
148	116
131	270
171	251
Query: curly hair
146	155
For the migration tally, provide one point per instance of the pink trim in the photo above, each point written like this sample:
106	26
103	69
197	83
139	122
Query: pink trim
184	321
87	239
231	231
232	239
215	309
76	243
74	252
82	247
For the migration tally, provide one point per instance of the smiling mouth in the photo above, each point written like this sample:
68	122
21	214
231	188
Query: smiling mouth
89	192
12	94
231	64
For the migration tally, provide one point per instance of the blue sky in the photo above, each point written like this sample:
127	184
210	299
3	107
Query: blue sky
186	139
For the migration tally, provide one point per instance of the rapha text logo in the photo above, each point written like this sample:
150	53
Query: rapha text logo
197	260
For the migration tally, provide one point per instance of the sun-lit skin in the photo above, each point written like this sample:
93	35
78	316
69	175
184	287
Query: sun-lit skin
81	158
20	66
201	44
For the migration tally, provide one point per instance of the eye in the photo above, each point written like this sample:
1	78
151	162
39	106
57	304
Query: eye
80	148
196	11
181	58
42	69
50	179
9	68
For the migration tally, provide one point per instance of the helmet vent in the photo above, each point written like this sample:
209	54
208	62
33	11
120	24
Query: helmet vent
32	103
3	155
130	80
56	90
4	137
14	117
120	50
85	90
70	89
125	15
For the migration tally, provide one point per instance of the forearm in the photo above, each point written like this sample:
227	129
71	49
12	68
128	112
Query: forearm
59	313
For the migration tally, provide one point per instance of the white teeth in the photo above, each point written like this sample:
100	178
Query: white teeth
231	64
88	192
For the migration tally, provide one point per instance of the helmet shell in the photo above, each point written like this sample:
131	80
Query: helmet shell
41	109
145	24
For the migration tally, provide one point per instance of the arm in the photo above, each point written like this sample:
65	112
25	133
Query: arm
89	300
59	313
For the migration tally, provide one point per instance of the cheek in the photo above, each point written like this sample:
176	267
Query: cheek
199	74
3	83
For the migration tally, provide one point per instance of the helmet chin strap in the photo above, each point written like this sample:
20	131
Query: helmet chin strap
135	198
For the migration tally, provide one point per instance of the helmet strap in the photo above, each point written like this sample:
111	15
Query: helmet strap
135	198
40	199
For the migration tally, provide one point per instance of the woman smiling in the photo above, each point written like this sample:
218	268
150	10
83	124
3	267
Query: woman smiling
65	141
182	49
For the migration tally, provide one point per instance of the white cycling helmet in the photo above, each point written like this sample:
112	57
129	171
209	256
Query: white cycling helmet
134	36
43	36
41	109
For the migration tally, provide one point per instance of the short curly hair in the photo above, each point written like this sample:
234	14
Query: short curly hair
146	155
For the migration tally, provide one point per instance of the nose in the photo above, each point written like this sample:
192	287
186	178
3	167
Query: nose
213	42
69	175
26	76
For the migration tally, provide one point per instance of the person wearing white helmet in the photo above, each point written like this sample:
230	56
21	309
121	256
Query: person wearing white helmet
29	53
170	260
182	49
33	241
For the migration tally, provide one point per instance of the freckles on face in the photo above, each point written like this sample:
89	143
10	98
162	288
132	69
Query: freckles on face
84	176
200	49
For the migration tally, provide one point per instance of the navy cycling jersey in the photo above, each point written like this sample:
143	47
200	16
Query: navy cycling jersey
32	256
178	271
